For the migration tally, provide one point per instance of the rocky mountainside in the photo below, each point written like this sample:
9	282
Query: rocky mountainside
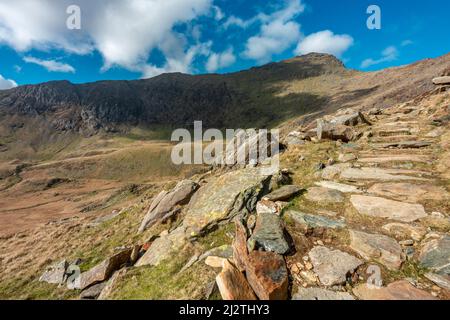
259	97
358	210
170	99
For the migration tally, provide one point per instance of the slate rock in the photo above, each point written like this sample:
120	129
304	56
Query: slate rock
320	294
283	194
377	247
269	234
233	285
333	266
400	290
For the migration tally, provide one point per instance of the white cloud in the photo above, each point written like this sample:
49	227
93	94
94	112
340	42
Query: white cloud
389	54
50	65
278	32
325	42
124	32
221	60
177	60
407	43
6	83
218	13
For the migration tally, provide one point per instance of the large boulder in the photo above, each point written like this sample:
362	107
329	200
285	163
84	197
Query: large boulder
220	200
249	147
328	131
352	119
225	197
167	202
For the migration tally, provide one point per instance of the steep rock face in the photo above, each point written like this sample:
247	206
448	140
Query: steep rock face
171	99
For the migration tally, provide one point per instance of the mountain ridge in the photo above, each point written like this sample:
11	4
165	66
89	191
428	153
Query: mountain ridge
258	97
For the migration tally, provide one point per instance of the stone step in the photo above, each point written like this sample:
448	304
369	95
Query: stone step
403	145
396	158
378	174
388	139
345	188
384	208
410	192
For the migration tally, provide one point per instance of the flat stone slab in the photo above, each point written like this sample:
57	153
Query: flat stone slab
345	188
400	290
320	194
269	234
441	80
333	266
282	194
310	221
435	255
396	158
403	231
320	294
410	192
404	144
442	281
390	209
225	197
379	174
377	247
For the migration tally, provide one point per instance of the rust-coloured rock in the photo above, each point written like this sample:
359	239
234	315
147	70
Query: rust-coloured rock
233	285
267	275
240	251
400	290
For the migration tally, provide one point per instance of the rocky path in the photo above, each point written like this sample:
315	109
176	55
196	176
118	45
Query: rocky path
361	210
392	211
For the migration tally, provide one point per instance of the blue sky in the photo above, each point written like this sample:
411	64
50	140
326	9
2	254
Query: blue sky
142	38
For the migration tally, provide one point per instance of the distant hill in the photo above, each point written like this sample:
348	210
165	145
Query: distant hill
265	96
